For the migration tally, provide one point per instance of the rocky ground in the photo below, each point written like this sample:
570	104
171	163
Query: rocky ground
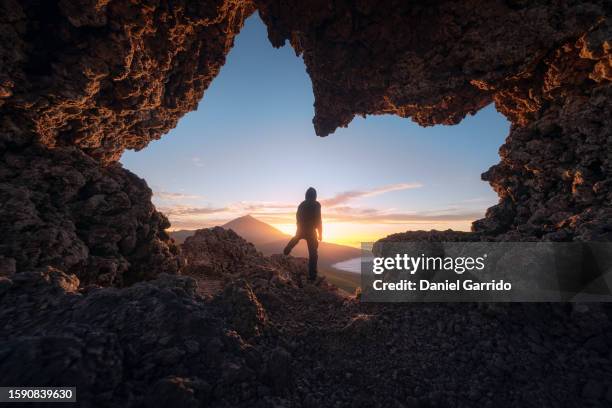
265	338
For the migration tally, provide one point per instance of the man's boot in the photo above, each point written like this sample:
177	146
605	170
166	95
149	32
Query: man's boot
312	274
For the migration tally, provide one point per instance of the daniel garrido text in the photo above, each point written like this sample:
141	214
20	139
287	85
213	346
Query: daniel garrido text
447	285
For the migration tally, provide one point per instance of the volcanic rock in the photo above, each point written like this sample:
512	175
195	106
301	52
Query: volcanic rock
158	342
218	251
61	209
117	346
109	75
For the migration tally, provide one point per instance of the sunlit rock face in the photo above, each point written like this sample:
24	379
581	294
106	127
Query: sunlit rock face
433	62
83	80
80	82
554	180
555	177
546	66
110	75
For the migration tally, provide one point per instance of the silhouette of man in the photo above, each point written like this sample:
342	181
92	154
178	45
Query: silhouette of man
309	222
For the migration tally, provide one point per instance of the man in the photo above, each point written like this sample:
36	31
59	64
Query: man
309	223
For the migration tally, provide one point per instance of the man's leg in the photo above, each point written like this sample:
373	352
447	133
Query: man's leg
291	244
313	256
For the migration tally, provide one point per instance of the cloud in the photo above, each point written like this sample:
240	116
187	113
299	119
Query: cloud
172	196
181	210
391	216
347	196
371	216
197	162
191	224
477	200
262	206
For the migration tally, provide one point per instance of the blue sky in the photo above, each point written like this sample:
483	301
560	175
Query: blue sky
250	147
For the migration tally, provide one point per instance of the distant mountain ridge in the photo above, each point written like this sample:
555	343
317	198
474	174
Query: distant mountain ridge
255	231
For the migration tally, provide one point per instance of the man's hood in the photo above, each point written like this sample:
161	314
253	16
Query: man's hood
311	194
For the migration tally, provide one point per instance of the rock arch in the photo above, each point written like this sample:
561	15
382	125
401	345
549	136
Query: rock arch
82	80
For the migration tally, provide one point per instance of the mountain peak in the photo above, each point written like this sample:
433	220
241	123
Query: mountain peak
254	230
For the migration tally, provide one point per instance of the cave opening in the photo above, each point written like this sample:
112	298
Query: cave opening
250	148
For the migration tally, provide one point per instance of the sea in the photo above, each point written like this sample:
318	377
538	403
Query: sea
350	265
353	265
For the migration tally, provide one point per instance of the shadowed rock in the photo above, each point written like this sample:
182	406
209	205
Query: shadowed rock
60	209
159	343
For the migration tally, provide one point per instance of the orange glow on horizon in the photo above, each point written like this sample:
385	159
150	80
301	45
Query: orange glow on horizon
353	233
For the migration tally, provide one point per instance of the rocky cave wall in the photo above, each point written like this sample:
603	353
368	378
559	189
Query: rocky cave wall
110	75
81	81
545	64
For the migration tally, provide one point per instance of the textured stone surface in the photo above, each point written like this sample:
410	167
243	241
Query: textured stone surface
432	62
158	343
221	253
109	75
59	208
555	177
88	79
154	342
218	251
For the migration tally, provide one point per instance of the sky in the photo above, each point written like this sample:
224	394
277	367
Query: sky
250	148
